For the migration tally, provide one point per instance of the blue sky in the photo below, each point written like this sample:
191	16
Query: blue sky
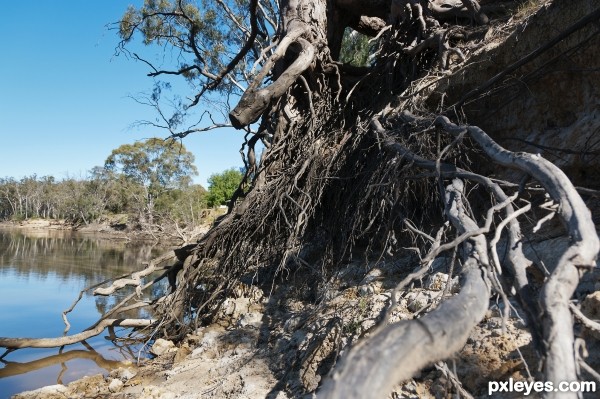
64	95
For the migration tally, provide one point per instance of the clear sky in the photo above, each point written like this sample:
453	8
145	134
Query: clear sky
64	96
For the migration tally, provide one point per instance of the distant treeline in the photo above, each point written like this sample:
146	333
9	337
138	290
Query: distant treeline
147	184
101	193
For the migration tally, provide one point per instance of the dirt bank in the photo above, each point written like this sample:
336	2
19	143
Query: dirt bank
105	228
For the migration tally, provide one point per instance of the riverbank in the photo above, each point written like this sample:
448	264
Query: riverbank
51	224
265	344
110	228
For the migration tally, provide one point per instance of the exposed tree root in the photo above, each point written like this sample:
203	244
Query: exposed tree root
560	363
359	164
396	352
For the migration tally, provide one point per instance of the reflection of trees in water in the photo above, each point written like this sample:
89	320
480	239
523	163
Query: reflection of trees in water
15	368
80	261
69	256
11	369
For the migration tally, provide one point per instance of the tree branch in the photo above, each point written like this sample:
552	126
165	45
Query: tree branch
20	343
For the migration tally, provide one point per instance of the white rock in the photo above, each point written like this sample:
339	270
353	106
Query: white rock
123	373
292	324
436	281
198	352
366	290
253	319
154	392
373	275
161	346
417	301
48	390
115	385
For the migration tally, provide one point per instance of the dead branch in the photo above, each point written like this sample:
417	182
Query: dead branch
20	343
136	278
76	301
454	380
586	321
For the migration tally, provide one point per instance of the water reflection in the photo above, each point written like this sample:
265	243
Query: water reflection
69	255
41	274
12	369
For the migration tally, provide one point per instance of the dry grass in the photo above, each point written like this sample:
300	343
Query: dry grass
528	7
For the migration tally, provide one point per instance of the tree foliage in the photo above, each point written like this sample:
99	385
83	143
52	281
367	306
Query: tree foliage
355	48
148	180
221	186
154	163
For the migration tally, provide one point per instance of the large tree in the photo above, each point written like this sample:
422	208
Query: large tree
365	161
156	165
222	186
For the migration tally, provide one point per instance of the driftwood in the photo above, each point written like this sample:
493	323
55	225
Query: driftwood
20	343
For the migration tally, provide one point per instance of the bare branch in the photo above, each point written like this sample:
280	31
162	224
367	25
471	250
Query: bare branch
20	343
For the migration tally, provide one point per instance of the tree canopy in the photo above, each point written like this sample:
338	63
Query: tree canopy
148	181
222	186
155	163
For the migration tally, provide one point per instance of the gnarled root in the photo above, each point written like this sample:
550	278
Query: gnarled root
396	352
256	100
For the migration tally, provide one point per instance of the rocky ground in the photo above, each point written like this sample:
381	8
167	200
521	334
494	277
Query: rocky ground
266	346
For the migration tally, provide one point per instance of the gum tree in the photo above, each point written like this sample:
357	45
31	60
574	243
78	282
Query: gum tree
154	164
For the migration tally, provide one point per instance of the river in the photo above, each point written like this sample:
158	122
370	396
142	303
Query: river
41	274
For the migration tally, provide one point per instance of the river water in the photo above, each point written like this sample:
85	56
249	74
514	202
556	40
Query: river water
41	274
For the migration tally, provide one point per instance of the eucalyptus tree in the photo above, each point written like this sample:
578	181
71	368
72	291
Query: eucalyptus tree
156	165
8	200
369	160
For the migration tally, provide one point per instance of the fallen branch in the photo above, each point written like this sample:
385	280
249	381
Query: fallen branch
136	278
20	343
